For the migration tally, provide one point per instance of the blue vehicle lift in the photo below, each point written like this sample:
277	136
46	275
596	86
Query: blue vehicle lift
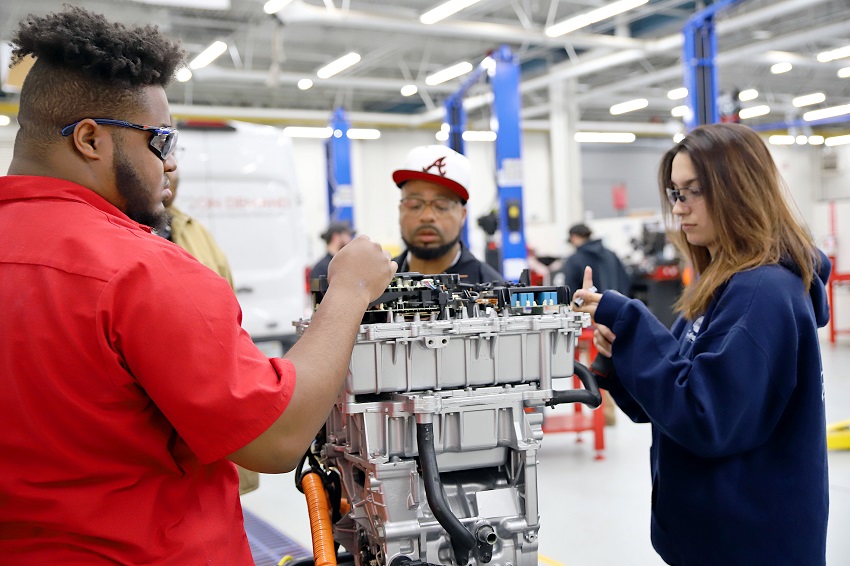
699	53
338	153
504	81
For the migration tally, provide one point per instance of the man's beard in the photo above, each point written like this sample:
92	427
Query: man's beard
428	254
135	194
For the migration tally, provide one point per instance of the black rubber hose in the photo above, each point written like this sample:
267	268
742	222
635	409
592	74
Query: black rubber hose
462	540
590	395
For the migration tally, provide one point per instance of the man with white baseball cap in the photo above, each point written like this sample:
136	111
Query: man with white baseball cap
434	189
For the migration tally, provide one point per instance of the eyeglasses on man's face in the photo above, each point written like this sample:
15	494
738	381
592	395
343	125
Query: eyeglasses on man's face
163	139
686	195
439	205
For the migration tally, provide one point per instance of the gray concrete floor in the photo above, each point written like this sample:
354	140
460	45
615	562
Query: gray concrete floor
596	512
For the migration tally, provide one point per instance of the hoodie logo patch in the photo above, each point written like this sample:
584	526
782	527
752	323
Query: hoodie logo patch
692	333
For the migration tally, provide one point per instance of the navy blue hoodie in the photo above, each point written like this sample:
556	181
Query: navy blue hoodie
736	402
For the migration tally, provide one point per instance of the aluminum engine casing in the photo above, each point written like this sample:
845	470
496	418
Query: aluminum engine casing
482	382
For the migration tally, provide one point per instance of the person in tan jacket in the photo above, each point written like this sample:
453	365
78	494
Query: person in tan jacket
194	237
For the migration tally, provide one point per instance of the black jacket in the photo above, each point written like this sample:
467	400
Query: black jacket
608	271
475	271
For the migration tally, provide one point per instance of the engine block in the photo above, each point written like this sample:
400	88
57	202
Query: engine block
436	433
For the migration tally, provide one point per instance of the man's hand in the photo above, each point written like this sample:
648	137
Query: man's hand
361	267
603	338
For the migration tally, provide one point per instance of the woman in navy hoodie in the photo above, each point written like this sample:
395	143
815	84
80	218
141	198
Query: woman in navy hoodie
734	391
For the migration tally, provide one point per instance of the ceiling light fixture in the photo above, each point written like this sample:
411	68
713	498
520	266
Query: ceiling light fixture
183	74
363	134
442	135
781	140
308	132
448	73
780	68
677	93
304	84
479	136
844	73
801	139
629	106
749	94
208	55
679	111
823	113
808	99
833	54
605	137
445	10
838	140
275	6
338	66
816	140
754	111
409	90
5	120
678	137
593	16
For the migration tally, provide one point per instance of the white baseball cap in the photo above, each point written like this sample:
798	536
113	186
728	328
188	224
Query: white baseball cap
437	164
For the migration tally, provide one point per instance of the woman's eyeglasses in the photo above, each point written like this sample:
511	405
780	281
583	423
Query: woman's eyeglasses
687	195
163	140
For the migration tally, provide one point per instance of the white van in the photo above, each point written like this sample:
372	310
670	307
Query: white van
238	179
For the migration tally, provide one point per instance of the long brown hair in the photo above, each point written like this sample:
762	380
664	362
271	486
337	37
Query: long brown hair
744	196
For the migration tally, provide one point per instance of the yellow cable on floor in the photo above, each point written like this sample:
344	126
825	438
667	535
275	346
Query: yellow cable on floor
548	561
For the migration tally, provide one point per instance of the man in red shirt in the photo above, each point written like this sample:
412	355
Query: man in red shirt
127	387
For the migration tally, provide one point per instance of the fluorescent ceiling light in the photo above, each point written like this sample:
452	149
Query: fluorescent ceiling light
844	73
208	55
833	54
445	10
678	137
679	111
677	93
442	135
482	136
838	140
448	73
183	74
338	66
275	6
307	132
808	99
754	111
801	139
304	84
629	106
780	68
781	140
830	112
605	137
593	16
363	134
409	90
5	120
749	94
816	140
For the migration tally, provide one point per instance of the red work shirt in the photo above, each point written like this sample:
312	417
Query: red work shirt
125	380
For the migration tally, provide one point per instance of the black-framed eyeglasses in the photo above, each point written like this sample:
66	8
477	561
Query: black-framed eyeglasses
687	195
439	205
163	140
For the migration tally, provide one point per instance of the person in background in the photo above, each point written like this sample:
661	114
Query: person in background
434	183
734	391
336	236
609	272
129	387
194	237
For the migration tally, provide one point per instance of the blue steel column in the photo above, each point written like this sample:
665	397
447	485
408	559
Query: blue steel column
700	73
506	108
456	119
338	149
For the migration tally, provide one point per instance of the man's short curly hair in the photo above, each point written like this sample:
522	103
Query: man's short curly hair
86	67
